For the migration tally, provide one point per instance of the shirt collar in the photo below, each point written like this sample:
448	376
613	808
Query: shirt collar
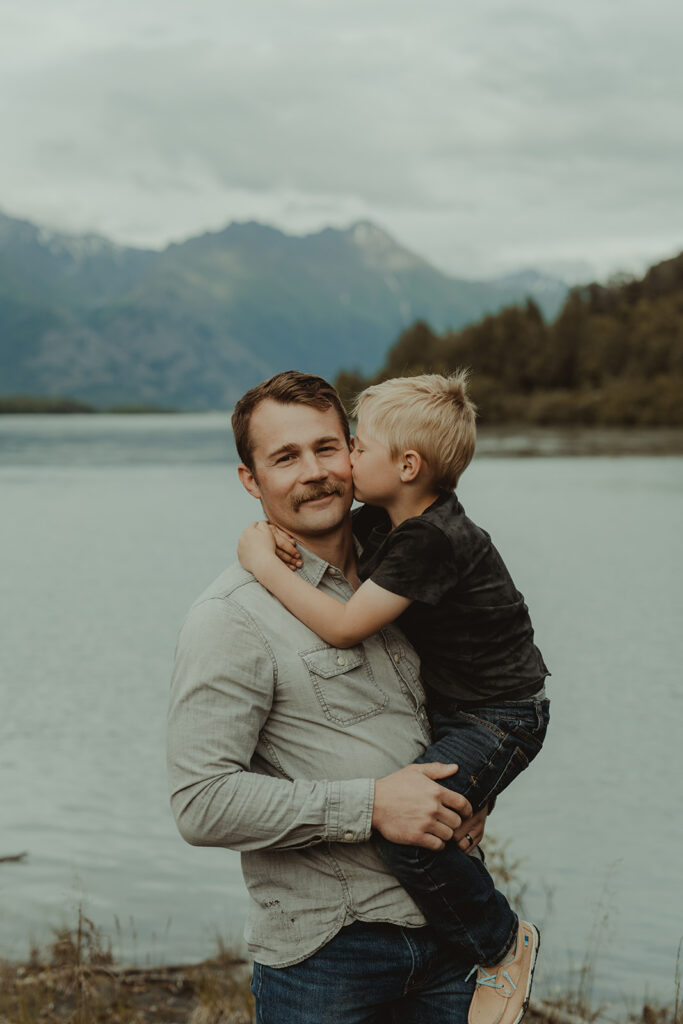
314	568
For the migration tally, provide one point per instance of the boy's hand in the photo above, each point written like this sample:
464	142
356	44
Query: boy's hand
285	548
471	832
255	546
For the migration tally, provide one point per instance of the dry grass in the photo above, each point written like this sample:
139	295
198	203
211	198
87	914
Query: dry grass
75	981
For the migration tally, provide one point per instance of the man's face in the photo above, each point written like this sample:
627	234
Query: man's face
301	470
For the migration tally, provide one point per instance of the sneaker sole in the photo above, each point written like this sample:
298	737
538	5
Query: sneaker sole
532	968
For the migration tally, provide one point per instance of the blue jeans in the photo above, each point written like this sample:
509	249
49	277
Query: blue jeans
491	744
368	974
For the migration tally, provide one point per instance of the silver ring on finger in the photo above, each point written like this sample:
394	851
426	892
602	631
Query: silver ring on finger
469	838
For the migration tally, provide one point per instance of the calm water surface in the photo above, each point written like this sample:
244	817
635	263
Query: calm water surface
111	526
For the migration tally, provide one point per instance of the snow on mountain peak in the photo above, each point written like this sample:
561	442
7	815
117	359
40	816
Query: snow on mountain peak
380	250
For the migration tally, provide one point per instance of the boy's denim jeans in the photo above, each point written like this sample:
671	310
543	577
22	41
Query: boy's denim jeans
491	744
368	974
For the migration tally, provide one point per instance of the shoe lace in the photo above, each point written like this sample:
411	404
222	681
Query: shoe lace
488	980
485	979
510	982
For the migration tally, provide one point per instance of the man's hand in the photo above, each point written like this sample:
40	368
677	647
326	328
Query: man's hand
411	807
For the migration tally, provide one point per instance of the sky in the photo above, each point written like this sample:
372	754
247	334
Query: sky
485	137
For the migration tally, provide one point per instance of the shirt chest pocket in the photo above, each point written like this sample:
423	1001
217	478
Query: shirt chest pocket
344	684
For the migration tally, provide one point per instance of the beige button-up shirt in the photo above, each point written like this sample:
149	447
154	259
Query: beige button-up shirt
274	742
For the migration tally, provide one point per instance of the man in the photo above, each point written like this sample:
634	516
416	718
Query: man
291	751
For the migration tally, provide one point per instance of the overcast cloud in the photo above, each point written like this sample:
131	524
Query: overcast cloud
485	137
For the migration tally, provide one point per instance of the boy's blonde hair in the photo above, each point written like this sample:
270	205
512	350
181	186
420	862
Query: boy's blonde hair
431	414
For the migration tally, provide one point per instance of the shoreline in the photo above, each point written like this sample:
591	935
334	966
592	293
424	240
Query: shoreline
523	441
215	991
75	980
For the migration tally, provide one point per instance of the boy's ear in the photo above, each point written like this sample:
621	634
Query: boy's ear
248	480
410	466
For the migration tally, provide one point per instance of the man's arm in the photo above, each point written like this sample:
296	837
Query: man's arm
221	792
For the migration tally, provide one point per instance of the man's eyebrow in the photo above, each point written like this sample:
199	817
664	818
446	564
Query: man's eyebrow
291	448
284	449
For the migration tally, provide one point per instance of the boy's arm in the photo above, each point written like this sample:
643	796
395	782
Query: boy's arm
339	623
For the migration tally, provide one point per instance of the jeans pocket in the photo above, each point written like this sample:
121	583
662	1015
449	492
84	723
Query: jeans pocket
524	722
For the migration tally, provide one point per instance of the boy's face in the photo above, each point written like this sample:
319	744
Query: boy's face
376	475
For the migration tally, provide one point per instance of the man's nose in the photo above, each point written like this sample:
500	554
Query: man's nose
313	468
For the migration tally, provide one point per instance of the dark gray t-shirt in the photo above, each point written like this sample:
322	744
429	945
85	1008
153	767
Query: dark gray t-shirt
468	622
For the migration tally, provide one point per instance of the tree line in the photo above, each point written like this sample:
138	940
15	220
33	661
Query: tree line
613	356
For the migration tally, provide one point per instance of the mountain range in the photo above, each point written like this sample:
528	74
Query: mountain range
194	325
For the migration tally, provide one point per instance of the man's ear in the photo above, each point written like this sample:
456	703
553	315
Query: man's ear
248	480
410	466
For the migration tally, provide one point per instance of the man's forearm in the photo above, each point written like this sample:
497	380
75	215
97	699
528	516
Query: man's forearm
247	811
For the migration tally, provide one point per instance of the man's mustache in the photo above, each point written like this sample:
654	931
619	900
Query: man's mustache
313	493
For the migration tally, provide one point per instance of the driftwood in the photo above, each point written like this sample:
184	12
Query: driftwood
126	975
14	858
164	973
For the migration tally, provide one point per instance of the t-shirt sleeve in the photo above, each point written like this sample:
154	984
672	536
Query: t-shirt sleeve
416	562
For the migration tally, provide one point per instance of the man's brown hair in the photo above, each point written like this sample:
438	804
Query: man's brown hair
289	388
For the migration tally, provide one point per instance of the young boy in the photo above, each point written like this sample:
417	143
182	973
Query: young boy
425	564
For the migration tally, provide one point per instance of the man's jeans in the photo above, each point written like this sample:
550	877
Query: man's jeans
368	974
491	744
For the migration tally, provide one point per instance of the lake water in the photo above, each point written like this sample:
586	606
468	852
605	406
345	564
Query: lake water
112	525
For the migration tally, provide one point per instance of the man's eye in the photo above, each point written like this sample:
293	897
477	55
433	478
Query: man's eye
284	458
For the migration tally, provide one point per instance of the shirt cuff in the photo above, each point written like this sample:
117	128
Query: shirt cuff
349	810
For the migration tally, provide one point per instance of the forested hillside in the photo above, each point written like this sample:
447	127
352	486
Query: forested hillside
613	355
195	325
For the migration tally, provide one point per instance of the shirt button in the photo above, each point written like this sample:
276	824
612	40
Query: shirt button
348	836
397	658
341	661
